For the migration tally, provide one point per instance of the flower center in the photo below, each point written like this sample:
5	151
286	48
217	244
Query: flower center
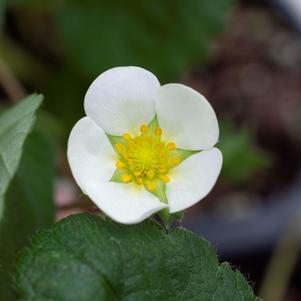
145	158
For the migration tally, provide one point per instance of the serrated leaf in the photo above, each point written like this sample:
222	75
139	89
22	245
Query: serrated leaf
85	257
26	173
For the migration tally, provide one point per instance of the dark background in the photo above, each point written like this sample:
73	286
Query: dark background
244	56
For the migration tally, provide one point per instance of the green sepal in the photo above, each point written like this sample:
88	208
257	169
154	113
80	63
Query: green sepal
183	154
115	139
152	125
117	175
165	216
168	218
159	191
178	216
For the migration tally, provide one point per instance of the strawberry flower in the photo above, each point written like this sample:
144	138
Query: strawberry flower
144	147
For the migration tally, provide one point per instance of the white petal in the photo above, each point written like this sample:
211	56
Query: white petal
186	117
193	179
90	154
121	99
124	203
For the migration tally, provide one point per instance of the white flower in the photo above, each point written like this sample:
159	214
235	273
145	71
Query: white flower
143	147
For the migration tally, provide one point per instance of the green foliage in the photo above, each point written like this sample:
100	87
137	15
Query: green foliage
2	10
88	37
65	94
51	128
241	158
165	37
26	173
85	257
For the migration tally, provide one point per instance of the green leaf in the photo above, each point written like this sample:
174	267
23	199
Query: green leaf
241	158
26	173
84	257
165	37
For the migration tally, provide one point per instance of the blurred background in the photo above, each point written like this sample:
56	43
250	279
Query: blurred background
243	55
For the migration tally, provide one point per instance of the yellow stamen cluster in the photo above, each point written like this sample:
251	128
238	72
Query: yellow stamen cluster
145	159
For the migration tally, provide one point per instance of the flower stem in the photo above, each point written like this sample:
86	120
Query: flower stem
283	262
10	83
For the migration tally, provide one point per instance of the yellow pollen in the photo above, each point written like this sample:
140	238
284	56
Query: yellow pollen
137	173
158	131
171	146
150	174
151	186
162	154
139	181
126	136
145	158
119	164
164	178
119	148
175	160
143	129
126	178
